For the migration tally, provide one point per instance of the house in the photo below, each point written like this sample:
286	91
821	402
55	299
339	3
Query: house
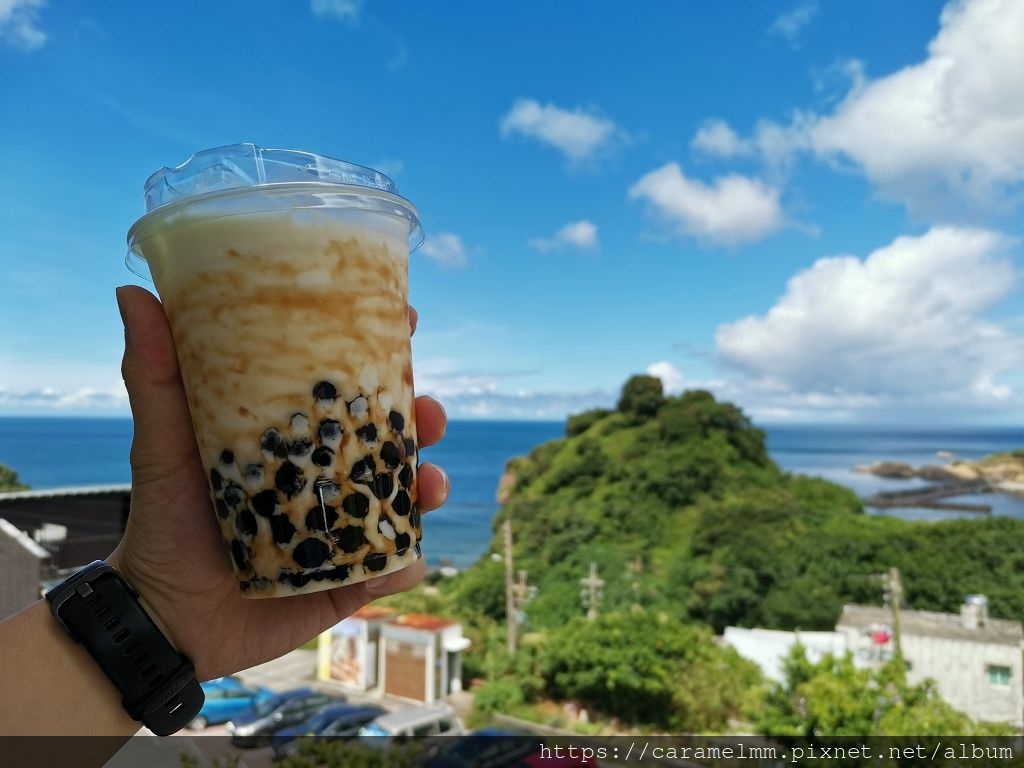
348	652
976	661
768	648
24	565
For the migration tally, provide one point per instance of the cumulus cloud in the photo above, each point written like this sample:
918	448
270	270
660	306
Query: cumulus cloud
19	24
732	210
905	325
347	11
790	24
82	399
671	377
716	137
446	249
578	134
577	234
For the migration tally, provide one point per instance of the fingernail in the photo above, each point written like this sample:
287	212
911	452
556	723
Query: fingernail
447	483
119	294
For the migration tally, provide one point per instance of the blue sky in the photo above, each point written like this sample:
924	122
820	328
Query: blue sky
812	208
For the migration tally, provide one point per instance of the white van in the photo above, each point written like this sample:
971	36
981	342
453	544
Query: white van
430	720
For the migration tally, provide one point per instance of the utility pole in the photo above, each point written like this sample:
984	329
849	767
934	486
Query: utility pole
591	593
510	598
894	591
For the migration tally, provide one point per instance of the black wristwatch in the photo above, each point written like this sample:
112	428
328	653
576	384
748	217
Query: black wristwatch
101	611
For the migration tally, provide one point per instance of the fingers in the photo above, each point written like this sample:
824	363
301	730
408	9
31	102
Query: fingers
431	420
347	600
414	318
433	486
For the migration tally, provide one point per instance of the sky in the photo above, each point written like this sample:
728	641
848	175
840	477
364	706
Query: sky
812	209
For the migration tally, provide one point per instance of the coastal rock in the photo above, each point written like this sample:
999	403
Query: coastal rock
939	474
963	471
892	469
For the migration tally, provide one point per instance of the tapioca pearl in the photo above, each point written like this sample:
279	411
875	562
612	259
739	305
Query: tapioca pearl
324	393
273	445
310	553
414	517
299	424
356	505
363	470
403	541
405	477
410	447
390	456
300	446
254	476
240	554
216	480
330	433
227	458
289	479
375	562
368	434
321	518
245	523
295	579
350	538
282	528
265	503
401	504
338	573
323	456
359	408
234	497
397	421
326	490
383	485
386	529
222	509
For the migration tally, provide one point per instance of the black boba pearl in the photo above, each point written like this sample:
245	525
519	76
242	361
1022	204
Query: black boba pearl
368	434
402	503
300	446
227	457
414	517
363	470
410	447
322	456
389	455
222	509
397	421
282	528
289	479
338	573
356	505
240	554
383	484
350	538
375	562
245	523
254	474
402	541
273	443
310	553
264	503
405	476
321	518
216	481
330	430
234	496
295	579
324	390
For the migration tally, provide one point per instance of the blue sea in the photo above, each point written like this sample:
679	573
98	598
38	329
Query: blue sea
60	452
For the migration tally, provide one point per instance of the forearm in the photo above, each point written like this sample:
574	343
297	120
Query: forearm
54	688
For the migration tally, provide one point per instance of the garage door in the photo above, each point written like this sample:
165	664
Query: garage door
405	670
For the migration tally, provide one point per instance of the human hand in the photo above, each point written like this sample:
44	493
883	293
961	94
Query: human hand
172	552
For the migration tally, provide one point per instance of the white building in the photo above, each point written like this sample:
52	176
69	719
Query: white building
768	648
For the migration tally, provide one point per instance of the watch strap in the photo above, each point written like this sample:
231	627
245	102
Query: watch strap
101	611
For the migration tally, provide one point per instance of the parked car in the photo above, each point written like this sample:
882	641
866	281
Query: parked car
226	697
430	720
254	727
332	723
486	748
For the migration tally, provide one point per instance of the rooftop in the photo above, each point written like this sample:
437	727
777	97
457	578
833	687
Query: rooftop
422	621
49	493
22	538
931	624
371	612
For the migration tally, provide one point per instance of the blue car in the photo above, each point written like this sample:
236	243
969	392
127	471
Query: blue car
226	697
337	722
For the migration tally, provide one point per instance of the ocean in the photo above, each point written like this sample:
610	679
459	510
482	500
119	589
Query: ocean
95	452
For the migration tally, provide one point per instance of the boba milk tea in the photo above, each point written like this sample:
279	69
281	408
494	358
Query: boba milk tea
284	276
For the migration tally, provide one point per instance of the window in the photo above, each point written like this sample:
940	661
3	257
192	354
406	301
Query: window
998	675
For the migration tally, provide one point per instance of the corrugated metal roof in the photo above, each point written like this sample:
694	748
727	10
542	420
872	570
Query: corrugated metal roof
49	493
931	624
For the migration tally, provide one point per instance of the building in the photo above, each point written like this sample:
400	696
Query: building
768	648
975	661
348	652
24	565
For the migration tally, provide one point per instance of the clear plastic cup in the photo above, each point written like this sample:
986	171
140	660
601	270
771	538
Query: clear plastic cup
284	276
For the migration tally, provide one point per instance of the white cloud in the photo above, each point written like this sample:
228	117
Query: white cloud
903	327
671	377
19	23
347	11
730	211
445	248
790	24
80	400
577	234
576	133
717	138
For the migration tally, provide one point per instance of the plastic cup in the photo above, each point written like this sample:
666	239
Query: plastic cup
284	276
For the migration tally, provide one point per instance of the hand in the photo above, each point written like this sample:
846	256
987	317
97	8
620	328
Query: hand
172	551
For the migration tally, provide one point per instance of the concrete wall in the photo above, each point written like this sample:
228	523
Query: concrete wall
20	573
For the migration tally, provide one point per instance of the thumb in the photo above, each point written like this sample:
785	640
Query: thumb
164	443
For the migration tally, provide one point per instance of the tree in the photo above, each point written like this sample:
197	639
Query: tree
9	480
641	398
